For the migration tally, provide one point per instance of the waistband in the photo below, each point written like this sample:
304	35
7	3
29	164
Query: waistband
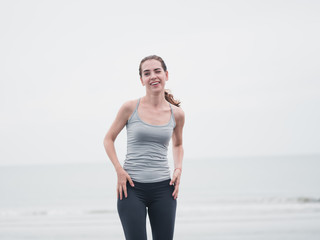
151	185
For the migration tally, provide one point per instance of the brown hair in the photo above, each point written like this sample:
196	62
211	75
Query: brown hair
167	94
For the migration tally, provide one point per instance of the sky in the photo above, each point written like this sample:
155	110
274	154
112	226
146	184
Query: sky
246	72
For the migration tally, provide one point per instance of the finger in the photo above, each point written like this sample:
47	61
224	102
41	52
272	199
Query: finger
175	190
120	190
130	181
173	180
177	183
176	193
125	191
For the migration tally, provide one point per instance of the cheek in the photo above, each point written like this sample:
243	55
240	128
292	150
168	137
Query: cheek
143	81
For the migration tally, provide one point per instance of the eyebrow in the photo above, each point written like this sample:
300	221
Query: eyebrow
147	70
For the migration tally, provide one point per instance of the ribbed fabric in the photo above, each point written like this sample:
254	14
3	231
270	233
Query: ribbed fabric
147	146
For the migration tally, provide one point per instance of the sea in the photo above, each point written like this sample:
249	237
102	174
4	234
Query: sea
230	198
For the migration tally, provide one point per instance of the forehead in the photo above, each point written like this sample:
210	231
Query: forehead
150	65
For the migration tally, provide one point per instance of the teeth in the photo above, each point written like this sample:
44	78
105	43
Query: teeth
154	83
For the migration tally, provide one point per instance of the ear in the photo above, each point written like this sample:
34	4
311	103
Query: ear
167	75
141	81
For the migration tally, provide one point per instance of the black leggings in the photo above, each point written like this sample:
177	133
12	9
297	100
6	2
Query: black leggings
157	197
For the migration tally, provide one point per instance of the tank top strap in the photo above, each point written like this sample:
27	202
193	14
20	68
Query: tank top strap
171	109
137	104
172	117
134	113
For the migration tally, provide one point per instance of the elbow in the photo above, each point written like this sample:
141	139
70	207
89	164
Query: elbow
178	146
106	141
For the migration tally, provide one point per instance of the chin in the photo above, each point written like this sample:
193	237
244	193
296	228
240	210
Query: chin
157	90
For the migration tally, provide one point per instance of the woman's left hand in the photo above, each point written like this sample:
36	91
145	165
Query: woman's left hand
176	181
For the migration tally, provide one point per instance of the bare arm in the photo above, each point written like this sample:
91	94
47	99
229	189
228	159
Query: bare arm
108	142
177	149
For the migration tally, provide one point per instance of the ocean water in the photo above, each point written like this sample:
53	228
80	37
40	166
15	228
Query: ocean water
220	198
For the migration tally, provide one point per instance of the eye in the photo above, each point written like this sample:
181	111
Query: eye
146	74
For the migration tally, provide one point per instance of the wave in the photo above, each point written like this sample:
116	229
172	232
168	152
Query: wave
55	212
263	200
212	205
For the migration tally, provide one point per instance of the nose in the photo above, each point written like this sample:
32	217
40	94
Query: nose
152	75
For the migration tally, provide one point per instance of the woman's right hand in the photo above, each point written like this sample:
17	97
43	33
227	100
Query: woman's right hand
123	177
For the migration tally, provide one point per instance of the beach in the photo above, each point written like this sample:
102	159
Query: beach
254	221
250	198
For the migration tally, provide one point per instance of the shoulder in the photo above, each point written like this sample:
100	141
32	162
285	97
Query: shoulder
178	114
128	107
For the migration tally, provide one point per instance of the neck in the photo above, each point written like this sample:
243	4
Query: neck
155	99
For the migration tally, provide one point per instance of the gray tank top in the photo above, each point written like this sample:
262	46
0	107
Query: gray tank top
147	146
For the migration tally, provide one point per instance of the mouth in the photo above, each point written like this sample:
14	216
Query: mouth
155	83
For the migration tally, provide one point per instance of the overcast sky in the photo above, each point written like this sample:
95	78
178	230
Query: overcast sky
247	73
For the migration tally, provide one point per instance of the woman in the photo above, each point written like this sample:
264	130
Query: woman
144	182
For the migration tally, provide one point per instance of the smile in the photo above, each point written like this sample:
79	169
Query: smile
154	83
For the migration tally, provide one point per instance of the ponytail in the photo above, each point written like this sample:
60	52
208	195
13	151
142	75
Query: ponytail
169	97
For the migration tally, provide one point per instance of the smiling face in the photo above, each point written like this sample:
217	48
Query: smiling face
153	77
